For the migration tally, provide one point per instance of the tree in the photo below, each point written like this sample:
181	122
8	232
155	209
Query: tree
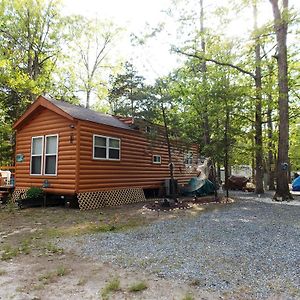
31	38
126	89
281	28
32	33
93	49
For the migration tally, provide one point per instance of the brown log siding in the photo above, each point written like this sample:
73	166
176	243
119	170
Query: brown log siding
135	168
44	123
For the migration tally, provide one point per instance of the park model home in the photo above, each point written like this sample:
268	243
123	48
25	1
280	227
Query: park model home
100	159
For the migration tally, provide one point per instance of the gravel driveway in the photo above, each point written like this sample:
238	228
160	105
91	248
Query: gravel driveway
246	248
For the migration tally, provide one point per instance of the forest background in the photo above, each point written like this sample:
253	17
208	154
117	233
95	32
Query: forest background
226	92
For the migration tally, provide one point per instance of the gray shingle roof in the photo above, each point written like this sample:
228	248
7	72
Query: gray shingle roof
86	114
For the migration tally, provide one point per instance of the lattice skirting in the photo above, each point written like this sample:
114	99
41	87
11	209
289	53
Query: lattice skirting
94	200
18	194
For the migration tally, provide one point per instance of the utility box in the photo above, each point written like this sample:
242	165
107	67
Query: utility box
168	186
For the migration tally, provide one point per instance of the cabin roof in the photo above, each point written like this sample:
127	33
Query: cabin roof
72	111
82	113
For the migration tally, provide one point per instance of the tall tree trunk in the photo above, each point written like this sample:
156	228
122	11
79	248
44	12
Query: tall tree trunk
270	164
259	170
281	26
206	126
226	144
171	166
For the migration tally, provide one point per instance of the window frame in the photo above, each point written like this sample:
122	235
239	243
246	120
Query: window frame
34	155
156	162
188	158
107	148
45	154
148	129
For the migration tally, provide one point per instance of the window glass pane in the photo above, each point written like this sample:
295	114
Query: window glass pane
37	145
188	158
36	164
51	144
113	143
156	158
100	152
50	167
114	154
100	141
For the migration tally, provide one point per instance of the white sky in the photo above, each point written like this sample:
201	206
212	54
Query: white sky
133	16
154	59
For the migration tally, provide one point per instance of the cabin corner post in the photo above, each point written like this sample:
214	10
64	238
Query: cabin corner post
77	169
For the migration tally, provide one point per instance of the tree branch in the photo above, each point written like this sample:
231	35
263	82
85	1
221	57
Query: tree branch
216	62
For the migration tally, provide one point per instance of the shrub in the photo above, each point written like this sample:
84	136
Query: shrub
112	286
34	193
137	287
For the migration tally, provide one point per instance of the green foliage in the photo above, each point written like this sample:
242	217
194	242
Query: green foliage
34	193
2	272
9	252
188	296
62	271
138	287
112	286
126	89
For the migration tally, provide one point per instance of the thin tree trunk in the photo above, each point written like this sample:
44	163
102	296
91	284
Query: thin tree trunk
171	166
259	171
271	175
226	144
88	95
206	127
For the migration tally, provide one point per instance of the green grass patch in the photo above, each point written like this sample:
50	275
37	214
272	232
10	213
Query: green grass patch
53	275
52	249
47	277
138	287
62	271
82	281
188	296
9	252
2	272
25	247
91	227
112	286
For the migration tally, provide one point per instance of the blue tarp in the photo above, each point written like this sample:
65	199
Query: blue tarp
296	184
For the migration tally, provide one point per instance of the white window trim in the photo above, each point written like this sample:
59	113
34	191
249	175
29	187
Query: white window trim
156	162
107	147
34	155
190	155
56	154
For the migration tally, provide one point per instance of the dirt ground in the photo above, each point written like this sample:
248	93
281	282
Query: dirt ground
33	267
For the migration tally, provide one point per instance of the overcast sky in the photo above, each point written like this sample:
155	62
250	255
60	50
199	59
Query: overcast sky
154	59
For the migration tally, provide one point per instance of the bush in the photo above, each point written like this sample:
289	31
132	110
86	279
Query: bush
34	193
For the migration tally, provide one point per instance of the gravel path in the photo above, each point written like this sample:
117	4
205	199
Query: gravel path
246	248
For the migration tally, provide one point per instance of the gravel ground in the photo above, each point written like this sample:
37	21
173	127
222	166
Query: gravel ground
246	248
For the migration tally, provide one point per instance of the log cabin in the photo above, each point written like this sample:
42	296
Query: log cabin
95	158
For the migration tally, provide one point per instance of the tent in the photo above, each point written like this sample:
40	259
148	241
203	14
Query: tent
199	187
296	184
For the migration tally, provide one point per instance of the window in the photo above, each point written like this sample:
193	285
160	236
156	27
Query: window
50	155
106	147
156	159
41	159
188	158
36	155
148	129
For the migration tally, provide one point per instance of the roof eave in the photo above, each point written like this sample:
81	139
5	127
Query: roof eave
40	102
